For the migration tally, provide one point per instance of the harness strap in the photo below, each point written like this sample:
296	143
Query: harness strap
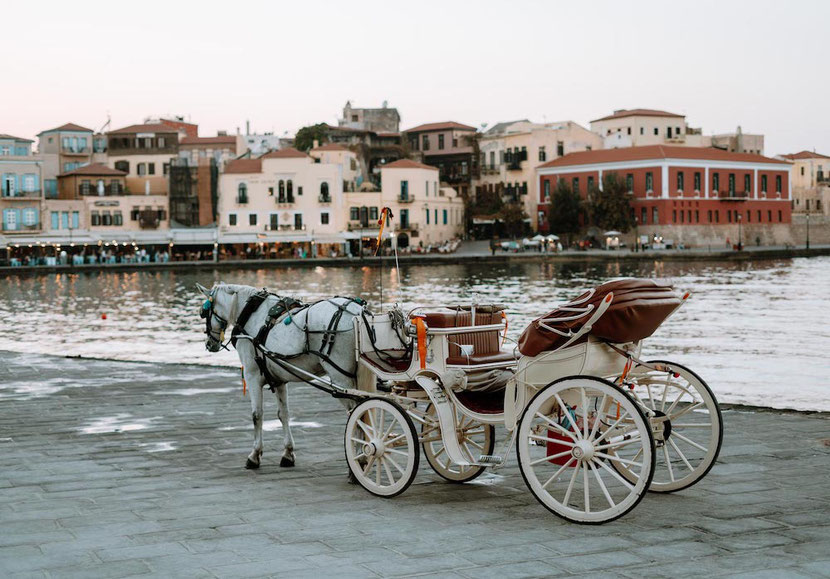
250	307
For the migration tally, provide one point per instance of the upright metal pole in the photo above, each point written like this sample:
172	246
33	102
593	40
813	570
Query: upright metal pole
808	231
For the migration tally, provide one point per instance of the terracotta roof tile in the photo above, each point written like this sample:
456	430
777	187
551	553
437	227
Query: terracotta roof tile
805	155
440	126
218	140
244	166
638	113
12	137
408	164
289	153
68	127
656	152
95	170
144	128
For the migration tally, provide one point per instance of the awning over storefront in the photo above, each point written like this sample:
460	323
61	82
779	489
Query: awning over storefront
200	236
263	238
356	234
329	239
77	239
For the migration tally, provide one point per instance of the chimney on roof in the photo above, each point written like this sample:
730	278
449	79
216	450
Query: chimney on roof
221	133
385	104
248	127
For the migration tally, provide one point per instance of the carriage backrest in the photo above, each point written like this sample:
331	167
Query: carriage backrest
482	342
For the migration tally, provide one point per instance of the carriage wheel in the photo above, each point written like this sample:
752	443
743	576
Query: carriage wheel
382	447
686	421
476	438
563	444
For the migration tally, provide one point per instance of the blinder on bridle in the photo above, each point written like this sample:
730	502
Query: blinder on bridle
207	313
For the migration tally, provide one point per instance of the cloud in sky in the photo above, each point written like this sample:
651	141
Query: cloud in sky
283	65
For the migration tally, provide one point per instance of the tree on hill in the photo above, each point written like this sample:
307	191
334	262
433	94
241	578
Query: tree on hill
304	140
563	214
610	207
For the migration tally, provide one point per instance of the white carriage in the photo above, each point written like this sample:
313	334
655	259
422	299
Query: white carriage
595	427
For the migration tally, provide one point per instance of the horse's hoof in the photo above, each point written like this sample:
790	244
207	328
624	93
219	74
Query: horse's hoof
285	461
251	465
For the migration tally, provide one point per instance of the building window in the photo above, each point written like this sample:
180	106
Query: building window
710	216
151	168
404	190
298	221
542	155
251	218
575	184
643	216
289	189
629	182
780	217
560	148
122	166
86	186
731	183
778	184
142	169
680	180
674	216
697	181
747	184
649	181
427	211
445	216
717	216
716	182
232	219
117	218
654	216
629	130
324	218
106	218
441	141
324	190
547	191
55	220
642	130
656	131
802	171
763	183
243	193
274	221
426	143
729	216
281	190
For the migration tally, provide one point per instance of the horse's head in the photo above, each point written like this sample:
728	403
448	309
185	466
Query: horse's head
215	311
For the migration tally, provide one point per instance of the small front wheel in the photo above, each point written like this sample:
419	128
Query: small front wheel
474	438
382	448
565	442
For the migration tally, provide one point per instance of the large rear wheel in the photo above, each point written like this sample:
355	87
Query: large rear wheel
686	422
565	439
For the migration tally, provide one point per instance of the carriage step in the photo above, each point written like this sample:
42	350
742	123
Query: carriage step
486	459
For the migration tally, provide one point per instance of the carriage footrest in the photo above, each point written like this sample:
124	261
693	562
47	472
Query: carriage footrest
490	459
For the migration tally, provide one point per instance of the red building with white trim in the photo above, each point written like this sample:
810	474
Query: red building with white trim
675	186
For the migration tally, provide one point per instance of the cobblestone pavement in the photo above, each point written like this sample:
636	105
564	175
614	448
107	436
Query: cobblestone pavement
112	469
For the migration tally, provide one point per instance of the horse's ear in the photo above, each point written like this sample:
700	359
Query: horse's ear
202	289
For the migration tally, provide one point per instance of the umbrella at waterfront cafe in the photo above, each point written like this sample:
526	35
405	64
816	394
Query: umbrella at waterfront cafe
612	233
538	237
552	237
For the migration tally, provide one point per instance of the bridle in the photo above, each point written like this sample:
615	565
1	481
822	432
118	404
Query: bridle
207	313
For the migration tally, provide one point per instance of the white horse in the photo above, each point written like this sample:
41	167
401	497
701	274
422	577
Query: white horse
298	339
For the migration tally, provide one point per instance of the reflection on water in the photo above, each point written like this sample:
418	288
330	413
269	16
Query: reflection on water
756	331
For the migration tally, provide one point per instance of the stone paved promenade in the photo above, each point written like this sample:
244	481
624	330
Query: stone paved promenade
112	469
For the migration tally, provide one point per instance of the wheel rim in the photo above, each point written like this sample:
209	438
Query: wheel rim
564	457
381	447
686	423
475	438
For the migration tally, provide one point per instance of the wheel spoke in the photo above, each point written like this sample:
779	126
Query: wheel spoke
618	459
395	451
571	484
686	410
597	420
558	472
586	488
666	385
613	473
618	443
381	419
668	462
387	470
611	428
395	464
681	455
377	472
396	439
566	410
474	443
687	441
557	426
604	490
369	464
549	457
554	440
584	412
357	440
365	428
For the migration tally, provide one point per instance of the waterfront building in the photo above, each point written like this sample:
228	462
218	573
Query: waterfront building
737	142
511	151
64	149
810	175
144	153
93	204
449	146
691	195
221	148
382	120
21	193
373	150
641	127
279	203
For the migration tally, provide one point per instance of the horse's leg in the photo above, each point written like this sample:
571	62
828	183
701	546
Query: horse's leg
283	414
255	382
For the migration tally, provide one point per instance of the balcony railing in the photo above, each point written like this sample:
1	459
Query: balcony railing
20	228
92	190
148	219
22	195
357	226
733	195
514	165
242	199
408	227
406	198
75	150
324	198
285	199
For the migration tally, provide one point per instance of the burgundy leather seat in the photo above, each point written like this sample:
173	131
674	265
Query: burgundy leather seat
486	345
637	310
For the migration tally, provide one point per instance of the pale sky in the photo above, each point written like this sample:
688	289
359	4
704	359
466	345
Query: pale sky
283	65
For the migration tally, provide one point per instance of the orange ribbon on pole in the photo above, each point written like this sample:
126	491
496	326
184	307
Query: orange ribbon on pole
384	214
421	328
